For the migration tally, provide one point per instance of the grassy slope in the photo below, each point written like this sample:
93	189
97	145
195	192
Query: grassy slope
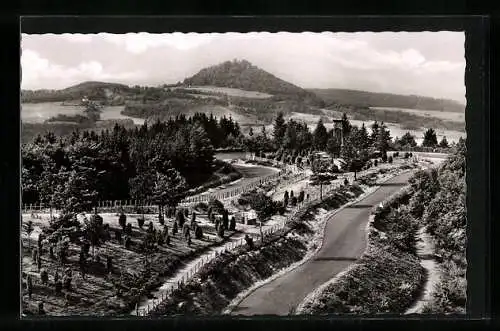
97	294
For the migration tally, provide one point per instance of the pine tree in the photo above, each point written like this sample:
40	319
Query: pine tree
279	130
320	136
430	138
346	125
444	143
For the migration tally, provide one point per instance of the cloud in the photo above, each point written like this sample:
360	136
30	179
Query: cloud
428	63
141	42
37	70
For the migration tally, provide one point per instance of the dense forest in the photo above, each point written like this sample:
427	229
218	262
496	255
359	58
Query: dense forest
122	163
371	99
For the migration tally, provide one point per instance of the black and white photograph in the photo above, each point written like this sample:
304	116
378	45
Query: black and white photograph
244	174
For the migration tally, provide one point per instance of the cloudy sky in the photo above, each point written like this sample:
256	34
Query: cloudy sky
421	63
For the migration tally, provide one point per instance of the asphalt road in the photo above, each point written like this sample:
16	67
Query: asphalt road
344	243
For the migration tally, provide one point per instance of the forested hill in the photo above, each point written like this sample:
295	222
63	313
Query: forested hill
100	91
244	75
371	99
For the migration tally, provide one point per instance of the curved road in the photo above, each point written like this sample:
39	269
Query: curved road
344	243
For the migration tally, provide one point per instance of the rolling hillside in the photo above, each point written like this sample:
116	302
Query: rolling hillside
245	76
370	99
100	91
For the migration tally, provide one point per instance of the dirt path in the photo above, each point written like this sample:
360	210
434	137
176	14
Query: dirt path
344	242
425	250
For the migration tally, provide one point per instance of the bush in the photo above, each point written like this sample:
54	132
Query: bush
122	220
301	197
249	241
151	227
127	242
225	219
180	218
140	222
44	276
128	229
109	263
58	286
216	205
198	233
281	209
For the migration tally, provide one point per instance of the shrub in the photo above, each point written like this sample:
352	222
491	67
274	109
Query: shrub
216	205
225	219
232	224
127	242
58	286
41	311
249	241
128	229
301	197
109	263
281	209
29	286
198	232
118	235
122	220
185	230
44	276
140	222
180	218
67	282
220	231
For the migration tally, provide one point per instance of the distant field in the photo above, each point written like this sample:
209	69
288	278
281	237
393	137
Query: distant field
39	112
234	92
444	115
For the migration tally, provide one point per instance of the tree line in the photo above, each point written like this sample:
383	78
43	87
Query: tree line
157	162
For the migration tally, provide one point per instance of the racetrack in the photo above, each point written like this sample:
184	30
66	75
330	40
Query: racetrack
343	243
